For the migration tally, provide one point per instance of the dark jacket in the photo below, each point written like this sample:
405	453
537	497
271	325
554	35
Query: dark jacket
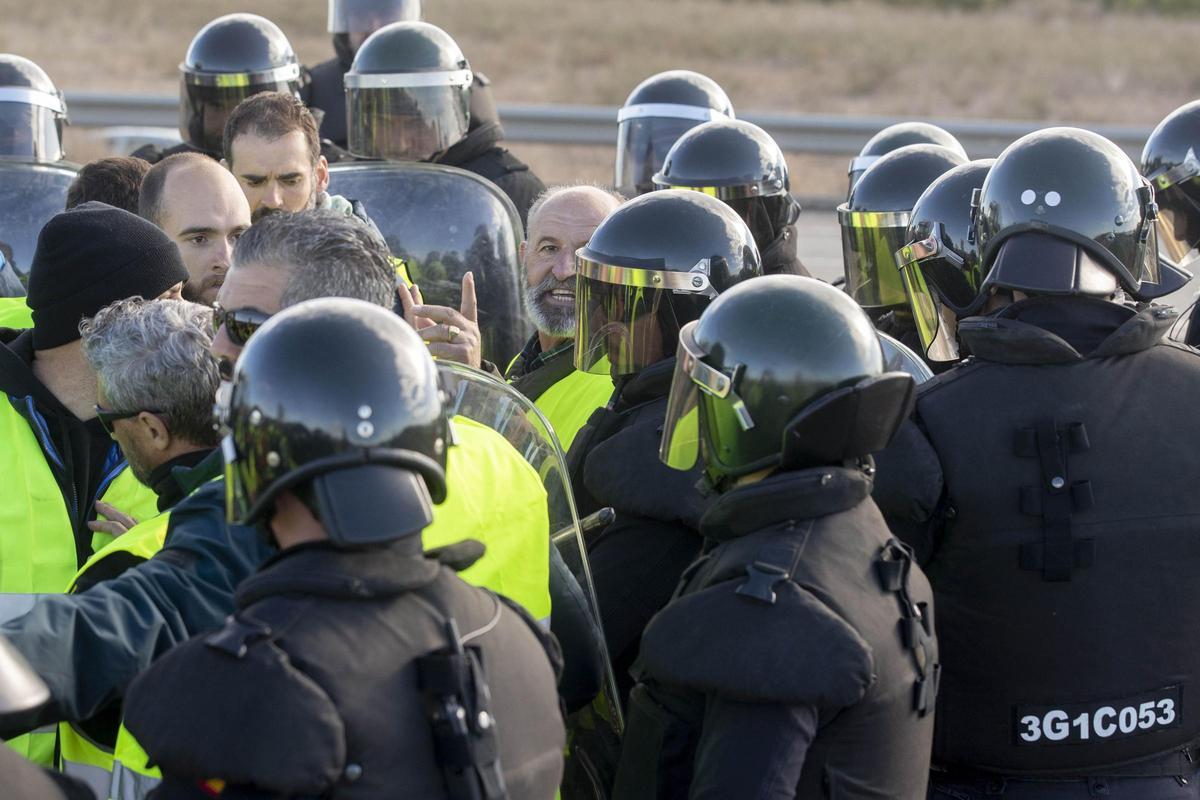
797	658
82	456
321	667
782	256
1058	521
481	152
88	647
154	154
637	560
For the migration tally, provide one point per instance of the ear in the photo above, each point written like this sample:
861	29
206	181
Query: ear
322	174
154	431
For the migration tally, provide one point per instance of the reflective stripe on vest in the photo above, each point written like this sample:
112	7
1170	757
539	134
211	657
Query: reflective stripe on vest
82	757
129	784
37	550
495	496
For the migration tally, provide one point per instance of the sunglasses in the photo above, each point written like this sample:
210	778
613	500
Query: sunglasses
107	417
239	323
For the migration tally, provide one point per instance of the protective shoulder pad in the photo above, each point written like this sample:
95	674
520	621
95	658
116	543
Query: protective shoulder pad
204	712
794	651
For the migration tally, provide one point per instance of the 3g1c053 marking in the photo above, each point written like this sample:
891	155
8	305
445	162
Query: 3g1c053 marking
1105	720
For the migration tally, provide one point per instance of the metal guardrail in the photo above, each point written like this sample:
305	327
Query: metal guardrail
823	134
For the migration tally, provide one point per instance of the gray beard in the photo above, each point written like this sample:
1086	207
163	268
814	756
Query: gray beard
549	319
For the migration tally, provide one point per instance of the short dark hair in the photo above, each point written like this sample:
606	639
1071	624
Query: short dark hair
271	115
326	253
116	181
149	206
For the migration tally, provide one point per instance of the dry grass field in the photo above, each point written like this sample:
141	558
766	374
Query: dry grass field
1053	60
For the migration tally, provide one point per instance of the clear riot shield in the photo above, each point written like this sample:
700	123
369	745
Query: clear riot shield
30	194
898	357
595	731
444	222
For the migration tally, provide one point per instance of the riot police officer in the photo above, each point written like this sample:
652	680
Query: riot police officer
874	224
738	162
1061	571
32	112
374	670
650	267
735	698
408	98
939	263
1169	160
657	112
893	137
229	59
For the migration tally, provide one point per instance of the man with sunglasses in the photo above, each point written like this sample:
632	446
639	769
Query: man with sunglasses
156	378
56	459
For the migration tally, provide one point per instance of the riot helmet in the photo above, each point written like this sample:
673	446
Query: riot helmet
352	21
651	266
407	93
893	137
656	113
939	263
1064	211
230	59
745	398
365	452
739	163
32	112
1169	160
875	219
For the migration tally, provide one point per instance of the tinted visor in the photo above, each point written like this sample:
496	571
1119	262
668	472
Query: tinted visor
405	123
30	132
206	107
680	445
617	331
642	146
1179	222
869	243
368	16
936	340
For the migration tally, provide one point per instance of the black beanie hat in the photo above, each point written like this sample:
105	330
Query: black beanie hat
89	257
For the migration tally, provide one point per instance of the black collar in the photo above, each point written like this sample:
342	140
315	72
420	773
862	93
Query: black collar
175	479
324	570
1055	330
652	383
799	495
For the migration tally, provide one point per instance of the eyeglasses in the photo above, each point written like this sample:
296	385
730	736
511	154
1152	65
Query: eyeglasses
239	323
107	416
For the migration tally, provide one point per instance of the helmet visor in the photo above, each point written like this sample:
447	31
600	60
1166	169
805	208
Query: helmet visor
1179	222
207	106
617	327
368	16
869	243
30	132
405	123
642	146
936	339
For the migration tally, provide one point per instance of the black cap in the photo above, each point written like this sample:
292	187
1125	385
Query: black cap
89	257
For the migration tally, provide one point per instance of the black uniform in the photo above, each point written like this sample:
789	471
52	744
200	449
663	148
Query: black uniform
272	699
154	154
797	658
636	562
1060	521
782	257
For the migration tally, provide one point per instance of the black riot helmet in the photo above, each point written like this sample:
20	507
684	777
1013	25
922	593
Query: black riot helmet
230	59
739	163
365	452
1065	211
407	93
1170	161
651	266
939	263
352	21
656	113
745	398
32	112
874	220
893	137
